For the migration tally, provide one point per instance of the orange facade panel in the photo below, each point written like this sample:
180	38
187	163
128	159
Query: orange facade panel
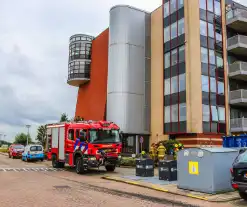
91	99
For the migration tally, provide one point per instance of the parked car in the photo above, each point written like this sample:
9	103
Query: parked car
239	174
33	152
16	150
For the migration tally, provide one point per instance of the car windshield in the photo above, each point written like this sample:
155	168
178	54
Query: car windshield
36	148
104	136
18	147
241	157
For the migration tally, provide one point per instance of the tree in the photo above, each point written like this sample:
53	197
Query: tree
78	118
21	138
64	118
41	135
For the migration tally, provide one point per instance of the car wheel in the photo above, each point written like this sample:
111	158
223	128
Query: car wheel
41	160
110	168
243	195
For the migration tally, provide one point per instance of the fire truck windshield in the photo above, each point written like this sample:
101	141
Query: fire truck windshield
104	136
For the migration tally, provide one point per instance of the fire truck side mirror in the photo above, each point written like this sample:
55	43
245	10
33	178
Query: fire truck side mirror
121	135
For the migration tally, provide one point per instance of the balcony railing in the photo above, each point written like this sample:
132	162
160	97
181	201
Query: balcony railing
238	97
238	125
238	70
237	45
237	19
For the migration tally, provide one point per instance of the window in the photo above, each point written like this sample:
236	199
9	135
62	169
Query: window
203	28
210	30
81	134
130	141
174	84
182	112
182	82
173	5
205	83
219	60
212	57
166	9
167	60
205	113
181	27
221	113
180	4
203	4
181	54
174	57
174	30
167	87
217	9
36	148
210	5
218	37
204	55
71	134
167	114
174	110
214	113
212	85
220	87
167	34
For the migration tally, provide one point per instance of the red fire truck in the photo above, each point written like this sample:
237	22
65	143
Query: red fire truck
85	144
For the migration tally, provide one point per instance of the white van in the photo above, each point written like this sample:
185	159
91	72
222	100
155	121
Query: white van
33	152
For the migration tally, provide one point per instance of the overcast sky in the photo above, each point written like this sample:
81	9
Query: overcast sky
34	38
34	55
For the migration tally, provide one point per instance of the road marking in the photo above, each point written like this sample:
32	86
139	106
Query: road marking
30	169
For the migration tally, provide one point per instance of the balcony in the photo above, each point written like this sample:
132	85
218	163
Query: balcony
238	125
237	19
238	97
237	45
238	70
78	79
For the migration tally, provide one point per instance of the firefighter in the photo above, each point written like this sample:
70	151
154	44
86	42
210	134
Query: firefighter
161	152
153	151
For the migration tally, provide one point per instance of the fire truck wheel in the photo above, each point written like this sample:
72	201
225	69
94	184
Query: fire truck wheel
54	161
79	168
61	164
110	168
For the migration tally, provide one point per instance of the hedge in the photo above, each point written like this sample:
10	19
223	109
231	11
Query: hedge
5	150
128	161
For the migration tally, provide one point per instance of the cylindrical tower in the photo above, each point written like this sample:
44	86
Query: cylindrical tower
80	48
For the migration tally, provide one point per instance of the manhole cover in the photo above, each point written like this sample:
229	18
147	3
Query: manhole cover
61	186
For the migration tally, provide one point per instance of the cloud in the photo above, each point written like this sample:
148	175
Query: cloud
34	56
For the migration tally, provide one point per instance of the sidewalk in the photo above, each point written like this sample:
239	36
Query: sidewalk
171	187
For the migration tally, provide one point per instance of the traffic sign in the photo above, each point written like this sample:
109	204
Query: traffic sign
141	140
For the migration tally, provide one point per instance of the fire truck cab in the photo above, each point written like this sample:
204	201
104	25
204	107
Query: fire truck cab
85	144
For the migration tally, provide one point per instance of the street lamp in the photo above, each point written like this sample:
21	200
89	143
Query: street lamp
28	126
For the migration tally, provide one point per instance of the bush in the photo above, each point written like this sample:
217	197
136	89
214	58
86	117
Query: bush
128	161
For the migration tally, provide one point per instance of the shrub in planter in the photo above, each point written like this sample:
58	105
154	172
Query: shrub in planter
172	147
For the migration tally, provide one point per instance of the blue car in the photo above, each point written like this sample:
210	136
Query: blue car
33	152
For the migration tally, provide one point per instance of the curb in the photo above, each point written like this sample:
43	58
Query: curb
153	187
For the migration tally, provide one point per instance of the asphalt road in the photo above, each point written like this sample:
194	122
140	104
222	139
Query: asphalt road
37	184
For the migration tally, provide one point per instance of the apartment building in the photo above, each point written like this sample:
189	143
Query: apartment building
175	73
